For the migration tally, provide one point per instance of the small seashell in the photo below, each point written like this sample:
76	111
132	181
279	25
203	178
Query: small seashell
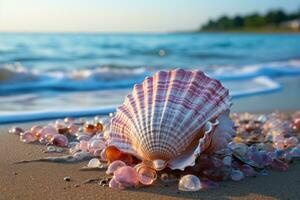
113	153
83	145
96	144
114	166
27	137
126	176
99	127
47	130
16	131
59	124
296	123
83	137
67	178
35	130
115	185
94	163
73	128
90	129
103	155
239	149
190	183
52	149
147	175
236	175
227	160
59	140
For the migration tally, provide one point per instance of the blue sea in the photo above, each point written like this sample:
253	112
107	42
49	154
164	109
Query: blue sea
55	75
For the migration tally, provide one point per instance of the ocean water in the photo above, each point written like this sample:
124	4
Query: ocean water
53	75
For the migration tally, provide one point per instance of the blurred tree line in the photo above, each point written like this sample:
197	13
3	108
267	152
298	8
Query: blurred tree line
271	19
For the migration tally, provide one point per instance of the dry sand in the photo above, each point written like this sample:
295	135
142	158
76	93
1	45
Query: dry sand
45	180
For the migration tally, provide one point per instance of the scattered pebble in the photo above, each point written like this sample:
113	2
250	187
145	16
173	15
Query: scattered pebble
94	163
67	178
261	142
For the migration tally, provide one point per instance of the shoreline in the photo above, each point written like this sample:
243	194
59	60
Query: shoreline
36	180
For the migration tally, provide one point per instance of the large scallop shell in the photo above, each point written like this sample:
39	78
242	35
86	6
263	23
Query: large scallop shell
167	116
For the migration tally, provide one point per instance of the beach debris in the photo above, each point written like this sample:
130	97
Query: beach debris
146	175
27	137
257	143
53	149
124	177
46	134
236	175
59	140
77	157
16	130
67	178
104	181
94	163
147	127
189	183
114	166
168	178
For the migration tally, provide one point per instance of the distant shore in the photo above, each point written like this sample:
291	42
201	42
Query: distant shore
261	30
240	31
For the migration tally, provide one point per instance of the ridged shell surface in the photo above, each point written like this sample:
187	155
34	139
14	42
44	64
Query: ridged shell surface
162	116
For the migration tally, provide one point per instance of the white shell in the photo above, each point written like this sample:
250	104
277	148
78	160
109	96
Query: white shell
162	116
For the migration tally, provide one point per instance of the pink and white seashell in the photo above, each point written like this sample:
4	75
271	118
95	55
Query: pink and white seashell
59	140
126	176
114	166
170	118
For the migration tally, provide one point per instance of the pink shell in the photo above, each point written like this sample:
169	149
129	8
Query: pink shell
162	116
59	140
126	176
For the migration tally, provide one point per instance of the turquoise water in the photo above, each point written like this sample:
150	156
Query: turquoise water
81	73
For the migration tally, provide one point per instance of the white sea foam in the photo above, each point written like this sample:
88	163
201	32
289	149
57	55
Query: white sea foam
26	94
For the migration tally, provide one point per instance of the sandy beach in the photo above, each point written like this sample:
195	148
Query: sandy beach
45	180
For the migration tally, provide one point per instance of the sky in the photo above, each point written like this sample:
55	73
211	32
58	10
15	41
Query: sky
124	15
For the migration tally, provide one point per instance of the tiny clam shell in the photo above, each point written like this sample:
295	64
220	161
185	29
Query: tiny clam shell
146	175
126	176
59	140
114	184
190	183
27	137
16	130
114	166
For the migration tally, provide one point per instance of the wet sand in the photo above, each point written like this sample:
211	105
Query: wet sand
45	180
287	99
